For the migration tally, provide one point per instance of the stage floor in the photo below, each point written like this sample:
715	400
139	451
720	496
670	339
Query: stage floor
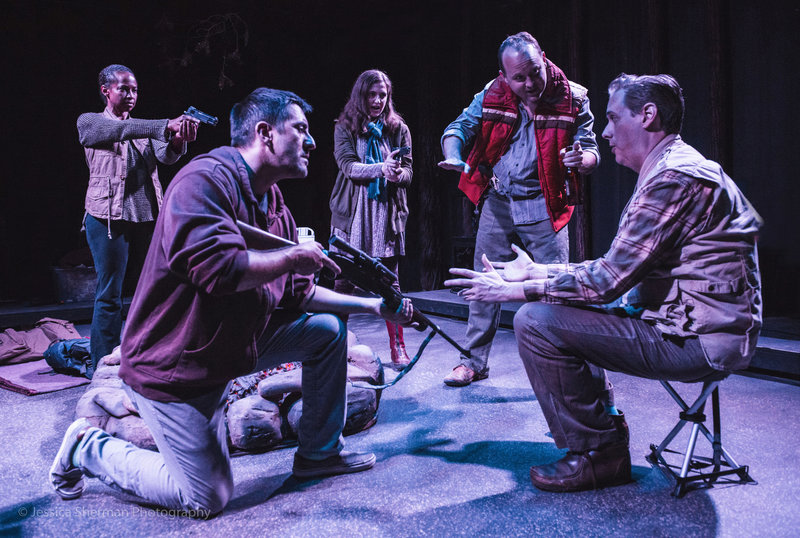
451	461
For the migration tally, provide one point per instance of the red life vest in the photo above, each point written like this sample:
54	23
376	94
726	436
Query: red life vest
555	127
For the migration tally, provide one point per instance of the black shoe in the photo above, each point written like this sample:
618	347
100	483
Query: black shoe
344	462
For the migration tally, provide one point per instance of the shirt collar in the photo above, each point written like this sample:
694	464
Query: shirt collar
654	156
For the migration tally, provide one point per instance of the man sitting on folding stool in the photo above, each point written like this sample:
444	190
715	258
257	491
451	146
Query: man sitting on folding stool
685	253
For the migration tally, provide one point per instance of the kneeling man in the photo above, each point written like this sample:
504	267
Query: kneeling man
205	312
685	253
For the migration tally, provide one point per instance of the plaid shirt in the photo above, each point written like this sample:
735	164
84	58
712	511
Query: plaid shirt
659	217
686	247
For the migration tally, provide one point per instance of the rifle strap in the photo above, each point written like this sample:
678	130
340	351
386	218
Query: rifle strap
403	372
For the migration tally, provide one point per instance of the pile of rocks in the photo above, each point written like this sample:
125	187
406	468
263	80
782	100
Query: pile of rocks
263	410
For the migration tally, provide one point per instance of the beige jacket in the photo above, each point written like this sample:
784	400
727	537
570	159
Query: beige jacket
105	140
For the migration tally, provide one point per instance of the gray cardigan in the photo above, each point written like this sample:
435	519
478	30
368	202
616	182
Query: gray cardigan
353	171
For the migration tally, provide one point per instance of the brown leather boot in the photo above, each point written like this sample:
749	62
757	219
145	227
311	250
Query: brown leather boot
578	471
398	348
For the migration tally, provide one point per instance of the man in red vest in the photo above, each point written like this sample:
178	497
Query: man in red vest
531	134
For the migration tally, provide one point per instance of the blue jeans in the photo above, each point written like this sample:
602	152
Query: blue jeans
191	470
560	347
496	232
110	263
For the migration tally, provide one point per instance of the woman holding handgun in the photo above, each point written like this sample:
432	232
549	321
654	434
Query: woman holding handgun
369	204
124	193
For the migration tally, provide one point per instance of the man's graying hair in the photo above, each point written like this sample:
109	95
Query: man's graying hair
109	75
662	90
263	104
519	42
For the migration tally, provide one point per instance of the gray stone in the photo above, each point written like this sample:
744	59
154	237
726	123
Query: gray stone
105	371
366	360
100	401
362	411
107	374
280	384
352	339
354	373
113	358
132	429
293	416
254	423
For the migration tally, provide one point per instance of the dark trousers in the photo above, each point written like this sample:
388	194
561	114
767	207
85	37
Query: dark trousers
558	344
111	256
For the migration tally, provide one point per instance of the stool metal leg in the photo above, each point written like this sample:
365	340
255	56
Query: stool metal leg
720	458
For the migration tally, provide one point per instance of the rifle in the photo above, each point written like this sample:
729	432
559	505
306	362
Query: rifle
371	275
367	273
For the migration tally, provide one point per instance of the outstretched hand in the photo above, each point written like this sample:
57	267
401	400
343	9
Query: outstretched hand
520	268
183	129
453	163
488	286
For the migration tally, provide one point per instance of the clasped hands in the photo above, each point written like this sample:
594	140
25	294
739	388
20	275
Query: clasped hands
183	128
500	281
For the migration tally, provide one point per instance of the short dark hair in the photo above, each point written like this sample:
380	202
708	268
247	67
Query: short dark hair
109	75
519	42
662	90
263	104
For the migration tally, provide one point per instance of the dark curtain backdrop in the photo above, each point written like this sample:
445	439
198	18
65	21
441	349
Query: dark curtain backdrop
736	60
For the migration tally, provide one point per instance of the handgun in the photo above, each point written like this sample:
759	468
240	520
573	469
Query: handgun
201	116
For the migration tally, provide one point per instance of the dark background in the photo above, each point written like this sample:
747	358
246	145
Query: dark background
737	61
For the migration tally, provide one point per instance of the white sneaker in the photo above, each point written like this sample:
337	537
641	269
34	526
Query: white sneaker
67	479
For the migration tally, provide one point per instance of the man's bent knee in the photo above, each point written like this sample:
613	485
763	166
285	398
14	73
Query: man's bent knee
211	502
529	314
328	326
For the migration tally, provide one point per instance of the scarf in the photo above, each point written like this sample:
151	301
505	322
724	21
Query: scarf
373	155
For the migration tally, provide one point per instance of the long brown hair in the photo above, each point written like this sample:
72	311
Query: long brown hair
354	117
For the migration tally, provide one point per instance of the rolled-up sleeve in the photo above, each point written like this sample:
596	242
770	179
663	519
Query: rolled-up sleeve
467	123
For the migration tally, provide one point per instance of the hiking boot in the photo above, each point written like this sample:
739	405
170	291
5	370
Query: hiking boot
66	478
344	462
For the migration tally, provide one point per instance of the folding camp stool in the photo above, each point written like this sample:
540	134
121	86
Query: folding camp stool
692	468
